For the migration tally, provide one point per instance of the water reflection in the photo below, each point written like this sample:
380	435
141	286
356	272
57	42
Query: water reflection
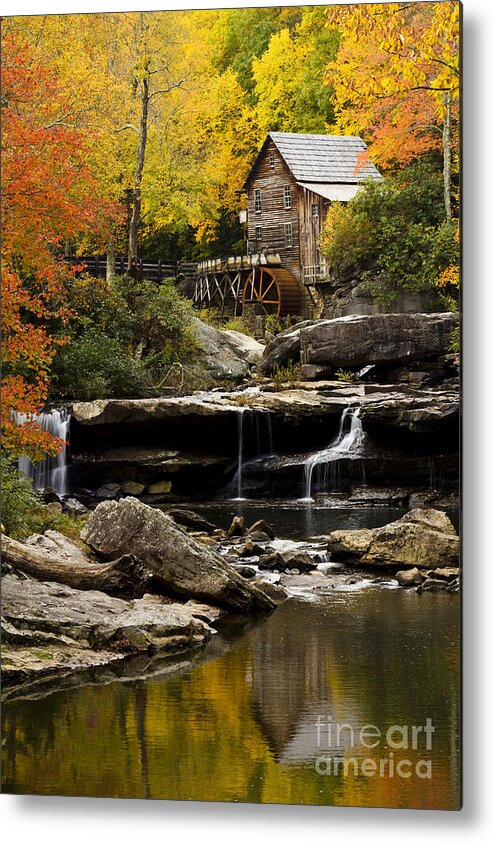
240	723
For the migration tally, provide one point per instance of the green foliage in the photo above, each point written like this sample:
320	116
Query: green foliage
455	346
392	234
283	375
213	318
345	376
124	338
23	512
275	325
19	503
95	366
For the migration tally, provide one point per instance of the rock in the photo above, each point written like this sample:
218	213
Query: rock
284	348
272	561
388	338
237	527
163	487
110	491
135	489
56	508
302	562
245	347
49	495
55	544
261	527
409	578
250	549
423	538
274	592
74	507
180	564
226	354
246	572
448	574
65	626
191	520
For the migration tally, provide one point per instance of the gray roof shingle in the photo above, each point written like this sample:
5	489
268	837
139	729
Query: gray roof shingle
324	159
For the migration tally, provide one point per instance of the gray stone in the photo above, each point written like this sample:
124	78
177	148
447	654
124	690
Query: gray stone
226	355
53	543
109	491
423	538
74	507
72	629
183	565
389	338
283	349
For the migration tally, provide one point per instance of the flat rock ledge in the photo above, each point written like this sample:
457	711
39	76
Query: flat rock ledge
423	538
49	627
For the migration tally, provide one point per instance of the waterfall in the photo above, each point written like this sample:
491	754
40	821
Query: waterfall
52	471
347	444
240	424
255	436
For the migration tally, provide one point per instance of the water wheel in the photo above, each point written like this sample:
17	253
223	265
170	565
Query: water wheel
271	291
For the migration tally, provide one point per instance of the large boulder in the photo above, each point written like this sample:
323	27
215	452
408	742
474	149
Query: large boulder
283	349
47	626
183	565
226	354
384	339
423	538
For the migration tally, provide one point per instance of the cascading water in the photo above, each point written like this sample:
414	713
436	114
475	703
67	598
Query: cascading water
348	444
50	472
255	432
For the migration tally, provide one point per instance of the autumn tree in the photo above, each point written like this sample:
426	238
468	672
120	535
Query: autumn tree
396	80
49	195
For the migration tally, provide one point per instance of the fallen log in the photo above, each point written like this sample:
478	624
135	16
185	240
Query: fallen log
126	576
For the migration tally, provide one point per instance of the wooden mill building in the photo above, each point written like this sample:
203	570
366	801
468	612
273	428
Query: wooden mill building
289	188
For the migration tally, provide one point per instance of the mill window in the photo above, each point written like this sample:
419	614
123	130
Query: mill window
258	237
315	210
288	235
257	201
271	159
288	197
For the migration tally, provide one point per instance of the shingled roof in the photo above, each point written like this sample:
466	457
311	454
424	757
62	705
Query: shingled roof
322	159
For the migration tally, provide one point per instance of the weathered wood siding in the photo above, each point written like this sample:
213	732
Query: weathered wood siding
310	225
273	216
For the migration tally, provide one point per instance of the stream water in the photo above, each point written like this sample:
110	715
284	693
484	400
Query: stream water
248	719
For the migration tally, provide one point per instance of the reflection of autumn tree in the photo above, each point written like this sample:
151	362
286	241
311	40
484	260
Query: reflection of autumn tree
207	732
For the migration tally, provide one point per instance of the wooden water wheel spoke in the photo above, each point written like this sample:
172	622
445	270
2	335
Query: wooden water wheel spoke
272	291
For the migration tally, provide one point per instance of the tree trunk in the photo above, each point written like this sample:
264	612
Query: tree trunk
447	154
124	577
136	193
111	262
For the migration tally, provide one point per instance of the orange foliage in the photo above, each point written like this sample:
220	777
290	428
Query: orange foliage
395	65
48	196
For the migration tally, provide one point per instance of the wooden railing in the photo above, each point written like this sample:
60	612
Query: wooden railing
155	270
313	275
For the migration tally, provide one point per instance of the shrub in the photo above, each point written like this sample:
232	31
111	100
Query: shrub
346	376
95	366
23	512
19	503
393	235
289	373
